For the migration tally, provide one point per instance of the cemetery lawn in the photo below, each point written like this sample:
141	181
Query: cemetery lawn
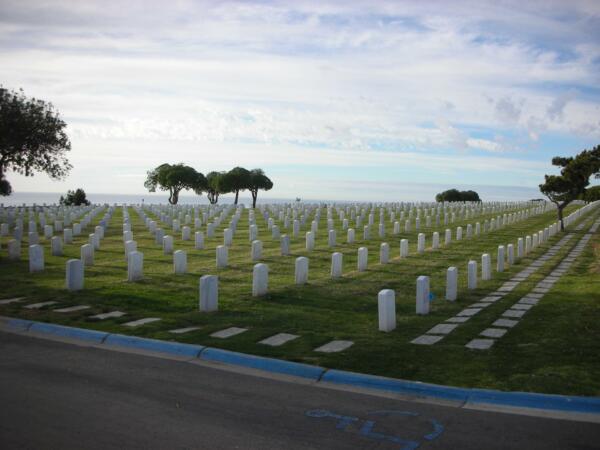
554	349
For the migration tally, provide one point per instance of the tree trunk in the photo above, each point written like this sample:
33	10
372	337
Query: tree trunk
237	194
254	196
560	217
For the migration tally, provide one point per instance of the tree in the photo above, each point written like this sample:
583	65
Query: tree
174	178
454	195
32	138
574	177
591	194
258	181
217	184
74	198
236	180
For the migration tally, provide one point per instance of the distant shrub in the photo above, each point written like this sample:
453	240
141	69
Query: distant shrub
454	195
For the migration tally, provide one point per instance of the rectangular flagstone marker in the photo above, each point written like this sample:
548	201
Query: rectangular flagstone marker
426	339
461	319
386	306
336	265
479	305
74	275
135	266
507	323
260	280
228	332
36	258
8	301
493	332
529	301
72	309
469	312
480	344
278	339
451	283
334	346
108	315
140	322
422	300
209	293
442	328
301	270
222	253
363	253
184	330
513	313
39	305
522	306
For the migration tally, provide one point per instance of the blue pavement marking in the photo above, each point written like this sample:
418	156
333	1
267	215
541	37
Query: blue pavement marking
68	332
261	363
154	345
397	386
19	324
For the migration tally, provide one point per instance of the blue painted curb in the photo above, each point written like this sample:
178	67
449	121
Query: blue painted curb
261	363
154	345
396	386
68	332
589	405
19	324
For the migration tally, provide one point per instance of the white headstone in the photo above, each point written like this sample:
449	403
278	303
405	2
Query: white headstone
510	250
222	254
422	303
74	275
451	283
56	246
363	254
500	262
301	272
36	258
351	236
198	240
285	245
168	245
179	262
256	250
135	266
384	253
68	235
331	238
336	265
448	237
472	275
486	267
421	243
520	248
209	293
87	254
386	308
260	279
186	233
403	248
14	250
228	237
435	240
310	241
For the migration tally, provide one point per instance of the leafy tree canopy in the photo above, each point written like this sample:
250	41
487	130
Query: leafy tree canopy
174	178
574	177
237	179
74	198
454	195
591	194
258	181
32	138
217	184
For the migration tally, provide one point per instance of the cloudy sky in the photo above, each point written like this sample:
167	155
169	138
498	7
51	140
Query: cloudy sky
343	100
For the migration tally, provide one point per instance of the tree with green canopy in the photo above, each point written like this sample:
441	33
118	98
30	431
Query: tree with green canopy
591	194
217	183
175	178
258	181
74	198
32	138
237	179
454	195
573	180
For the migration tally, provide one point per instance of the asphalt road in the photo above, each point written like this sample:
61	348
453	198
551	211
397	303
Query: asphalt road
55	395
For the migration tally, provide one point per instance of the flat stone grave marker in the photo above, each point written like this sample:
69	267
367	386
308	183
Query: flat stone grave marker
469	312
39	305
513	313
493	332
480	344
108	315
71	309
334	346
480	305
529	301
279	339
458	319
228	332
491	298
522	306
426	340
505	323
8	301
534	295
442	328
140	322
184	330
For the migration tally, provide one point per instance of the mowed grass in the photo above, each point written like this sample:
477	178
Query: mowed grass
553	349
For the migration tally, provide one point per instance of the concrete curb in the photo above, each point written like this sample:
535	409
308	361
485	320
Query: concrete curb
465	396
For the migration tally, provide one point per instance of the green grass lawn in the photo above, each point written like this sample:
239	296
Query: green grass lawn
554	349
